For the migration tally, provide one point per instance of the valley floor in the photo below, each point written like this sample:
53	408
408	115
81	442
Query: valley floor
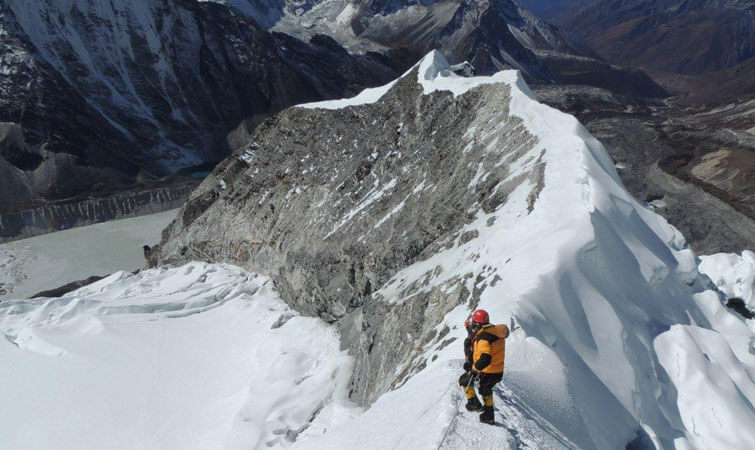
32	265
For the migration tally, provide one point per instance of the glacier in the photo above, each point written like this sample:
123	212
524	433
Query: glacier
33	265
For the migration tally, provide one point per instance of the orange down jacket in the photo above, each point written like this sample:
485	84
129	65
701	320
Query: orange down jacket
490	348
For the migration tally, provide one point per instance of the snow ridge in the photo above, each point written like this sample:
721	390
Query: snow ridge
607	294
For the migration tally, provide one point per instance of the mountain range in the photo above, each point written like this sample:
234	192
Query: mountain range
489	34
701	48
102	98
314	289
99	95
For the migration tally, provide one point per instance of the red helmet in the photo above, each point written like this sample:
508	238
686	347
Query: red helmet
480	316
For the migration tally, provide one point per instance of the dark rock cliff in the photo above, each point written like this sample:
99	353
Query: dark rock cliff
102	91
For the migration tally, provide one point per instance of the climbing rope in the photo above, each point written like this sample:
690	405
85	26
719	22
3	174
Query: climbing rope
456	415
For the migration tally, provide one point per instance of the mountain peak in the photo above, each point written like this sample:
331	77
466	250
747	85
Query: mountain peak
433	73
433	65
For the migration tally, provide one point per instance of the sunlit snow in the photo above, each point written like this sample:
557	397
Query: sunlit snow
734	275
200	356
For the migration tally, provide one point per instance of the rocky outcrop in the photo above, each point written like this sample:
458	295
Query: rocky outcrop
68	287
78	212
332	216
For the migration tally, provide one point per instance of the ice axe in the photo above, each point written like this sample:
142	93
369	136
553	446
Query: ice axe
513	326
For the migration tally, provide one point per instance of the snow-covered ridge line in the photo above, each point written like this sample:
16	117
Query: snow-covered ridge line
434	74
590	251
499	202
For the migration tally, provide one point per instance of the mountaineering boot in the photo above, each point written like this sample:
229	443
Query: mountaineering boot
473	404
487	415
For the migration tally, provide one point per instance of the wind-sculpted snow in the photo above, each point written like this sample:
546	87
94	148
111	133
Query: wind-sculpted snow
199	356
713	372
734	275
395	215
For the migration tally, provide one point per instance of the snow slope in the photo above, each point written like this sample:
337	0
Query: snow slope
619	342
33	265
200	356
713	371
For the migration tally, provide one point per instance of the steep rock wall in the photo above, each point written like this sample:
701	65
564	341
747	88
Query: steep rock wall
333	216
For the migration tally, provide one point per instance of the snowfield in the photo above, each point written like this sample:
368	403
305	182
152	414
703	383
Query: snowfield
619	339
201	356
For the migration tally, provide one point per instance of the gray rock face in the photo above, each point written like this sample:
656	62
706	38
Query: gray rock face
333	203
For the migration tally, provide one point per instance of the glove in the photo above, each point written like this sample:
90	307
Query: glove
467	366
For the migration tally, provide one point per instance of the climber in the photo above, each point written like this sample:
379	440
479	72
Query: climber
488	349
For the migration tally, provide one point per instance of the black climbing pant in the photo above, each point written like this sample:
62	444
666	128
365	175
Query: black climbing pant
486	381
